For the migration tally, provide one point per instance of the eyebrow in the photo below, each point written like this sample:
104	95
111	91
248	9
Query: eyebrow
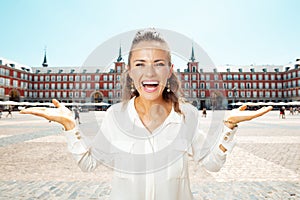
158	60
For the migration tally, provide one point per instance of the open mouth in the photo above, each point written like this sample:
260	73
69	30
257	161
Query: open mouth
150	86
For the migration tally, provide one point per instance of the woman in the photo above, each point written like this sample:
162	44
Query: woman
148	137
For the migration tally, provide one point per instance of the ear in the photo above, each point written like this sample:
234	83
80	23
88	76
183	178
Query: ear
171	70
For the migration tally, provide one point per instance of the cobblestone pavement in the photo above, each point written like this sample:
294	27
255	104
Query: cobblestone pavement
35	164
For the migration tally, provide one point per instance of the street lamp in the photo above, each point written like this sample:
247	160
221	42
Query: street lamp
234	89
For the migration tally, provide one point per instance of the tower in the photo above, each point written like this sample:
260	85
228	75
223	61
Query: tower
45	64
192	64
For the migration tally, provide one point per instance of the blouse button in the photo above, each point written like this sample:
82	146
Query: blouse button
78	137
225	138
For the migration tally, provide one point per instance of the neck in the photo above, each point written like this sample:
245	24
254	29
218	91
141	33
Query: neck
146	106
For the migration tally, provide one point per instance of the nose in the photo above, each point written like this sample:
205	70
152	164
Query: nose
149	71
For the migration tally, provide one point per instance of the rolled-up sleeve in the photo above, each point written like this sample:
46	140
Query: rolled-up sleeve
79	150
208	154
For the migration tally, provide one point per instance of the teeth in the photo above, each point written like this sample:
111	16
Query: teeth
150	82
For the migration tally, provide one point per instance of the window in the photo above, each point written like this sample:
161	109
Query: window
47	78
266	85
70	86
186	85
254	94
15	74
229	77
260	77
111	78
97	86
41	78
41	95
216	77
202	94
273	94
229	94
229	86
105	77
77	78
15	83
88	86
194	85
266	77
248	93
224	77
186	77
207	86
52	78
110	86
242	94
242	85
83	78
105	86
46	94
272	77
71	78
58	78
65	86
97	78
52	94
65	78
236	77
260	85
202	86
53	86
254	77
47	86
216	85
207	77
35	86
194	77
261	94
64	94
83	86
110	95
77	86
88	78
59	86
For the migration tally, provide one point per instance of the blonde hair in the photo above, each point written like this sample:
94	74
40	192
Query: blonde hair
174	94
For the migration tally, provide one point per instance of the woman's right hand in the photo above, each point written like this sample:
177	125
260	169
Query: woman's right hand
60	114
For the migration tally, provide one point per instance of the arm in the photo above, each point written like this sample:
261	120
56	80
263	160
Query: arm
76	145
215	159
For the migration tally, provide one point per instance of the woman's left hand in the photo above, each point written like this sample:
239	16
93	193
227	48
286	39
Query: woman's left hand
240	114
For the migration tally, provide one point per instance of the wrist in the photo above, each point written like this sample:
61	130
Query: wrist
230	124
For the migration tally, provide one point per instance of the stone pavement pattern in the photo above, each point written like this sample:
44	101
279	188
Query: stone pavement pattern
35	164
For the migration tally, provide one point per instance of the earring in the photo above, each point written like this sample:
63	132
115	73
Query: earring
168	87
132	87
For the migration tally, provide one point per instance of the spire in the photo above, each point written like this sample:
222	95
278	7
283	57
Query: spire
119	59
193	55
45	64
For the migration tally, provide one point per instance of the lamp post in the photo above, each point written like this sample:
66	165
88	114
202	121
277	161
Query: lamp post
234	89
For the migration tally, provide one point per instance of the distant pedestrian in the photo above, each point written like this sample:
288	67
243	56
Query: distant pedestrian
204	112
291	111
282	112
0	114
9	112
76	112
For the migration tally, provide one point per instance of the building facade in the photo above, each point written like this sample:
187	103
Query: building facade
216	88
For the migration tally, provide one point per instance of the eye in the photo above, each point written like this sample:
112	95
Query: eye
139	65
159	64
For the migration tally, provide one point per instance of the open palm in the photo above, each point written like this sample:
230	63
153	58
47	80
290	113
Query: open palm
60	114
241	114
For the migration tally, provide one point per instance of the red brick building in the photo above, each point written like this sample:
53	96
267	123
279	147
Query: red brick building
204	88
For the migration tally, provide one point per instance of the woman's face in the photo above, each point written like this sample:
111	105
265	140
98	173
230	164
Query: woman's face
150	69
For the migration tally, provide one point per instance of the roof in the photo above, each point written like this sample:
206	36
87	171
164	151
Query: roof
15	65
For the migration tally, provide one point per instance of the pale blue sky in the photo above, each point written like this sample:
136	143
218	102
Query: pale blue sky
231	32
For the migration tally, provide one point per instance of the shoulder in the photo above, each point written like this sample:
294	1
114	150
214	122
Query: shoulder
188	109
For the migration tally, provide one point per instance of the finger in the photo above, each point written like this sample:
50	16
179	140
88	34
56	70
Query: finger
30	110
243	107
56	103
263	111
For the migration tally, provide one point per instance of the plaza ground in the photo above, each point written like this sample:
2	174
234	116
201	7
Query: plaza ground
35	163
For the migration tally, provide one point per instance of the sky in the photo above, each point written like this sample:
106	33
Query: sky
237	32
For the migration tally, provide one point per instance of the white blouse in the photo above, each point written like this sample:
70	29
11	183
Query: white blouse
150	166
